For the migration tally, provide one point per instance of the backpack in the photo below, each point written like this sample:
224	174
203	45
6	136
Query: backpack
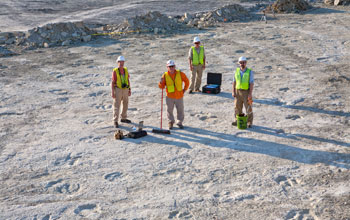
137	134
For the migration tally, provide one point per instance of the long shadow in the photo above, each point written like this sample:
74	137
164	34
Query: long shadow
279	133
299	107
269	148
275	102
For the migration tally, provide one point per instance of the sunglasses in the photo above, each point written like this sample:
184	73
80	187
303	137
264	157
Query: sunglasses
242	62
171	66
197	43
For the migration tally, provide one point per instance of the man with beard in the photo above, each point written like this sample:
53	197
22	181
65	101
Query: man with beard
242	91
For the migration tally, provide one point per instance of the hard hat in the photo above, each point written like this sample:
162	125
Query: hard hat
196	39
170	63
242	59
120	58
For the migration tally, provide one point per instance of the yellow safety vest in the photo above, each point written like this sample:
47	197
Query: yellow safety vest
122	80
170	85
242	82
196	60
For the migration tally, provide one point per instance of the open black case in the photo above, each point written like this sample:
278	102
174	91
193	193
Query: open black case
213	83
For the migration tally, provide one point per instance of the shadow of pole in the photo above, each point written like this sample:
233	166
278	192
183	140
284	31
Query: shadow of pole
304	108
275	102
279	133
269	148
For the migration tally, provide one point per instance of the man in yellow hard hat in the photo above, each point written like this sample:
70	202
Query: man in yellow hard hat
121	91
242	91
173	81
196	59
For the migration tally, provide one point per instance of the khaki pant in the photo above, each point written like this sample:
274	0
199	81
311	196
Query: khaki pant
196	77
240	100
179	104
120	95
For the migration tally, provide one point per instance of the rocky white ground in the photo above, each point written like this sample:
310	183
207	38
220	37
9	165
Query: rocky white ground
59	159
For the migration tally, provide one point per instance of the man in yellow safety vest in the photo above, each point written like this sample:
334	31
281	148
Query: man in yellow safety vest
242	91
120	91
173	81
196	58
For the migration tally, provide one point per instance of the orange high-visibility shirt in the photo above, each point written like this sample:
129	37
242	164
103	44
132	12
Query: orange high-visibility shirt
176	94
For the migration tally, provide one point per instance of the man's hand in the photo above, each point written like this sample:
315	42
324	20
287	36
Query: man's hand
250	101
191	67
234	95
250	97
129	92
113	94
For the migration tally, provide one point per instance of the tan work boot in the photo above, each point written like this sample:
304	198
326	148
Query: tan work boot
116	124
171	125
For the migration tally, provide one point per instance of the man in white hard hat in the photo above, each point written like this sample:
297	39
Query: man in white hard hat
120	91
173	81
196	58
242	90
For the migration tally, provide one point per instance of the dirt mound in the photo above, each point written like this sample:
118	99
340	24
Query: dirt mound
58	34
227	13
289	6
152	22
155	22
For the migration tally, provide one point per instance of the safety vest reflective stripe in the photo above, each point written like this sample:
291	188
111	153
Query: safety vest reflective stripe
196	60
242	82
122	79
170	85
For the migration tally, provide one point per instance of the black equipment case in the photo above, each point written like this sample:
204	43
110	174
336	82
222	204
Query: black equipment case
137	134
213	83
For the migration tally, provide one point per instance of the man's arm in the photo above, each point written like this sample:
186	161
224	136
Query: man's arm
190	62
190	57
251	85
113	84
234	89
129	85
161	83
204	59
185	80
250	95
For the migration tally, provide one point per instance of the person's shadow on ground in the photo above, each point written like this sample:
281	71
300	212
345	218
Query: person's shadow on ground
183	138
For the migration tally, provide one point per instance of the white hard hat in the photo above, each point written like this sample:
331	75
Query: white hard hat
120	58
196	39
242	59
170	63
